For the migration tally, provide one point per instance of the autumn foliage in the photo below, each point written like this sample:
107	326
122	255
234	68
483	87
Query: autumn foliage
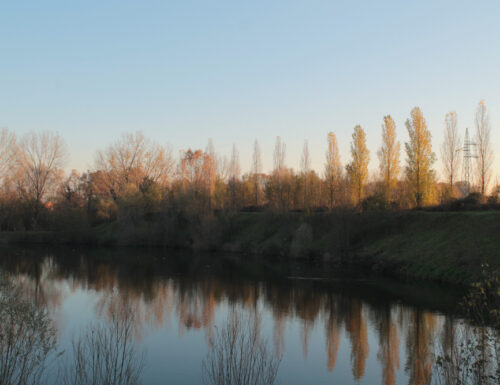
136	179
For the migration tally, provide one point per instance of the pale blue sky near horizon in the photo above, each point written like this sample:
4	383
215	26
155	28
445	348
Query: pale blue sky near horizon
185	71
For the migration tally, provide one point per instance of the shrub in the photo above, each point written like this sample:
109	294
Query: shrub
238	355
27	338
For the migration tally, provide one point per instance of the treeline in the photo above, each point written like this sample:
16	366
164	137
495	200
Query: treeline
136	178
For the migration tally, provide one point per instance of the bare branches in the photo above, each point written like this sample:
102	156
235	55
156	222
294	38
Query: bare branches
42	156
133	159
305	166
234	165
279	155
305	160
8	152
450	150
484	150
211	170
234	176
279	173
27	339
256	158
106	354
256	171
239	356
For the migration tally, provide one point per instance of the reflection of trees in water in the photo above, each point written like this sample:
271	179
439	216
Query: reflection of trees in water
106	353
307	306
420	335
27	338
332	331
157	297
449	348
36	284
467	355
356	327
388	353
279	334
196	307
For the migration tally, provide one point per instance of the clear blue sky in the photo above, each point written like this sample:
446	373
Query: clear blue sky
184	71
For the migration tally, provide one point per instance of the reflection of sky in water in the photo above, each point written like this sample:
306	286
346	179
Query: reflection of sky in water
325	337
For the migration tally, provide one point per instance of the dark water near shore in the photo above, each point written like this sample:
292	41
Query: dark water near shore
330	327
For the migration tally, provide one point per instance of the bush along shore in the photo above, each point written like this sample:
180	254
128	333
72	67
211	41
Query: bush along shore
438	246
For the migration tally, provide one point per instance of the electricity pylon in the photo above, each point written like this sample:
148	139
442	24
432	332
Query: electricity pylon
469	154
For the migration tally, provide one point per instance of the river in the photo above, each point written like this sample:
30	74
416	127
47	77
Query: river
325	326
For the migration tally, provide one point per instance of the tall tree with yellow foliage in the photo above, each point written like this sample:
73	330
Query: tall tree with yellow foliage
420	158
389	157
357	170
333	170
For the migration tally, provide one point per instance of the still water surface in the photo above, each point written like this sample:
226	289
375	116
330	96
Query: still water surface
329	327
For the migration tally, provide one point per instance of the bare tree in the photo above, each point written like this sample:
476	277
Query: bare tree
279	171
211	170
484	149
305	160
279	155
106	354
191	166
239	356
8	152
131	160
256	171
305	166
450	149
223	167
42	156
234	166
27	338
234	176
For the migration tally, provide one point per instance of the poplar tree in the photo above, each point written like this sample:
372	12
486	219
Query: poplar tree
484	150
210	171
256	171
333	170
450	150
419	172
357	170
234	177
278	177
305	165
389	157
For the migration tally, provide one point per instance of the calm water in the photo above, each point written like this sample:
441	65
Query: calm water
330	328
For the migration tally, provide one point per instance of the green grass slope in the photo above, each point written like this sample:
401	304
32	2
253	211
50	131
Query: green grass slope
448	246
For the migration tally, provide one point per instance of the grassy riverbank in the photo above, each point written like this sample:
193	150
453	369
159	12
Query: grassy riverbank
439	246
